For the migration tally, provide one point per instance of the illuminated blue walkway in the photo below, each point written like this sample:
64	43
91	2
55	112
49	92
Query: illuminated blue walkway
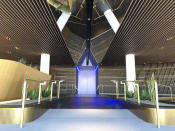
87	120
87	102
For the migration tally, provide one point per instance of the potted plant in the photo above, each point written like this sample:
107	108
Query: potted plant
151	88
32	94
144	95
46	92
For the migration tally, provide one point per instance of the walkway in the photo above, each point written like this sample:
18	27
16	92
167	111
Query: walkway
87	120
87	102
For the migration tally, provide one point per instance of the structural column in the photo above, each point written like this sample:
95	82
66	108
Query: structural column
45	63
130	71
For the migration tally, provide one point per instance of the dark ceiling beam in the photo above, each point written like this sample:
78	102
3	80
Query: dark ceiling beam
89	9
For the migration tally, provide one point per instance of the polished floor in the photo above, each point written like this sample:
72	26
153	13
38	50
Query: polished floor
87	120
85	113
87	102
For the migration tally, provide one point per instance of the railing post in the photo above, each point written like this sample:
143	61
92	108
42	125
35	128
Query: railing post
117	91
99	89
138	94
39	95
171	94
23	103
72	88
124	90
58	90
51	91
75	89
102	89
157	104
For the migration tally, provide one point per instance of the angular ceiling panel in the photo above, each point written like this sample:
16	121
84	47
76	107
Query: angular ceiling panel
100	44
101	36
76	46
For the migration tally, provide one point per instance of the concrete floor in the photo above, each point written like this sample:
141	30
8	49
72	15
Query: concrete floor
87	120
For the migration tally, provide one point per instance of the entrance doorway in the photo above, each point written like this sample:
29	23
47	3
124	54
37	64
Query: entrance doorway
87	75
87	80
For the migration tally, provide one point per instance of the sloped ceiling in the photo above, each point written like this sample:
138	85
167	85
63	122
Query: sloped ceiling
99	45
27	29
75	44
148	31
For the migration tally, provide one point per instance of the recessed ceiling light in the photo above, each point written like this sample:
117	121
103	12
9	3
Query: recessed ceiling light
162	47
17	48
9	52
7	38
170	38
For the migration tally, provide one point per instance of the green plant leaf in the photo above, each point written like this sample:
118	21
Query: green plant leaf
151	88
144	95
32	94
23	61
46	92
103	1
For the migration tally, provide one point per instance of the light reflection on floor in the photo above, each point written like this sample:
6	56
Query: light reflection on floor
87	120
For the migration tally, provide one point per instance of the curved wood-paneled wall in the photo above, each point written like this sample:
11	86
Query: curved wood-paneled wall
12	76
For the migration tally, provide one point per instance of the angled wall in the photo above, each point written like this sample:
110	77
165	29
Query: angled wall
12	76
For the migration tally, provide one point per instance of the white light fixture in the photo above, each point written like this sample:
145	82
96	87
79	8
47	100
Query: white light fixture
112	20
62	20
17	48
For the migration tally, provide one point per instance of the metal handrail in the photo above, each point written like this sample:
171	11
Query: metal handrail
24	92
137	80
158	84
171	90
98	87
124	89
58	89
40	80
156	94
116	88
39	95
51	91
23	103
157	104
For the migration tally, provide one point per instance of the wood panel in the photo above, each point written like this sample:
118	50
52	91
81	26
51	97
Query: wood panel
12	76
